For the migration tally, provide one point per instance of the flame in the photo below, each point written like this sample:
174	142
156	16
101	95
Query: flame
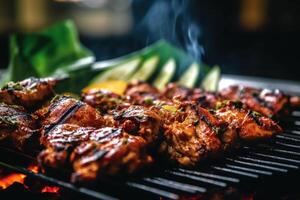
8	180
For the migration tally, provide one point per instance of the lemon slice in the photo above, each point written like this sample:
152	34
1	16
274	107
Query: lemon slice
114	86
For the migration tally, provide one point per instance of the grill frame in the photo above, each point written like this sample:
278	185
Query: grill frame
250	167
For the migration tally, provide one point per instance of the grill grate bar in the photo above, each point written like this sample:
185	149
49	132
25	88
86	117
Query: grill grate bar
268	162
276	157
290	137
275	149
175	185
235	171
153	190
257	171
296	132
296	113
288	145
297	123
197	178
258	165
224	178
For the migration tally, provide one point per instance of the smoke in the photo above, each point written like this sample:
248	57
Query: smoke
171	20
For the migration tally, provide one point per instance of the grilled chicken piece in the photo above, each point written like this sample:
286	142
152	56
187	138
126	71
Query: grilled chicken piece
66	109
17	126
103	100
59	143
266	102
141	121
141	93
29	93
251	125
192	135
112	154
202	98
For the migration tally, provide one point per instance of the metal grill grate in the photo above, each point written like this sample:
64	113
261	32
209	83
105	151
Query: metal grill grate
248	166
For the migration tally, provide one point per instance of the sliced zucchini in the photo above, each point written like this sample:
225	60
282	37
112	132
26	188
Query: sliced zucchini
166	74
121	72
190	76
211	80
146	70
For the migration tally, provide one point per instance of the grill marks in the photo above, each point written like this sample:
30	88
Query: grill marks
17	127
64	117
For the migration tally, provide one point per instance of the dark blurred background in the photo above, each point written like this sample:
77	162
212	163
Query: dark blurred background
247	37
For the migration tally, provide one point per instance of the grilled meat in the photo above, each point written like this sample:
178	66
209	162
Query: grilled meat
141	121
192	136
108	134
112	154
141	93
103	100
251	124
17	126
28	93
66	109
59	143
202	98
266	102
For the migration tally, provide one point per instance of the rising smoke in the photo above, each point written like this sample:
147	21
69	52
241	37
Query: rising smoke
171	20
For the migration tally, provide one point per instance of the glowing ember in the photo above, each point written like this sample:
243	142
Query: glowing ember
33	168
7	180
50	189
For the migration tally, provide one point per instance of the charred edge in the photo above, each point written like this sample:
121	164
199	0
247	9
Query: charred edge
66	115
255	116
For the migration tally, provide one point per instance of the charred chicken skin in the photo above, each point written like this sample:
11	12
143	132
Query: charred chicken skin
192	134
251	124
105	101
17	126
92	152
141	93
115	152
66	109
200	97
59	143
28	93
140	121
266	102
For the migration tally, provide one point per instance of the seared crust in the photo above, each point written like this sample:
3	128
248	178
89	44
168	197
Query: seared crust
28	93
120	154
103	100
251	125
191	137
17	126
66	109
266	102
141	121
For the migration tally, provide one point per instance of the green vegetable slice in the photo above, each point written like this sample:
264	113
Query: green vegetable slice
120	72
146	70
211	80
190	76
166	74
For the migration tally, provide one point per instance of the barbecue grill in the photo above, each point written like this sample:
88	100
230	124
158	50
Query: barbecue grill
264	166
